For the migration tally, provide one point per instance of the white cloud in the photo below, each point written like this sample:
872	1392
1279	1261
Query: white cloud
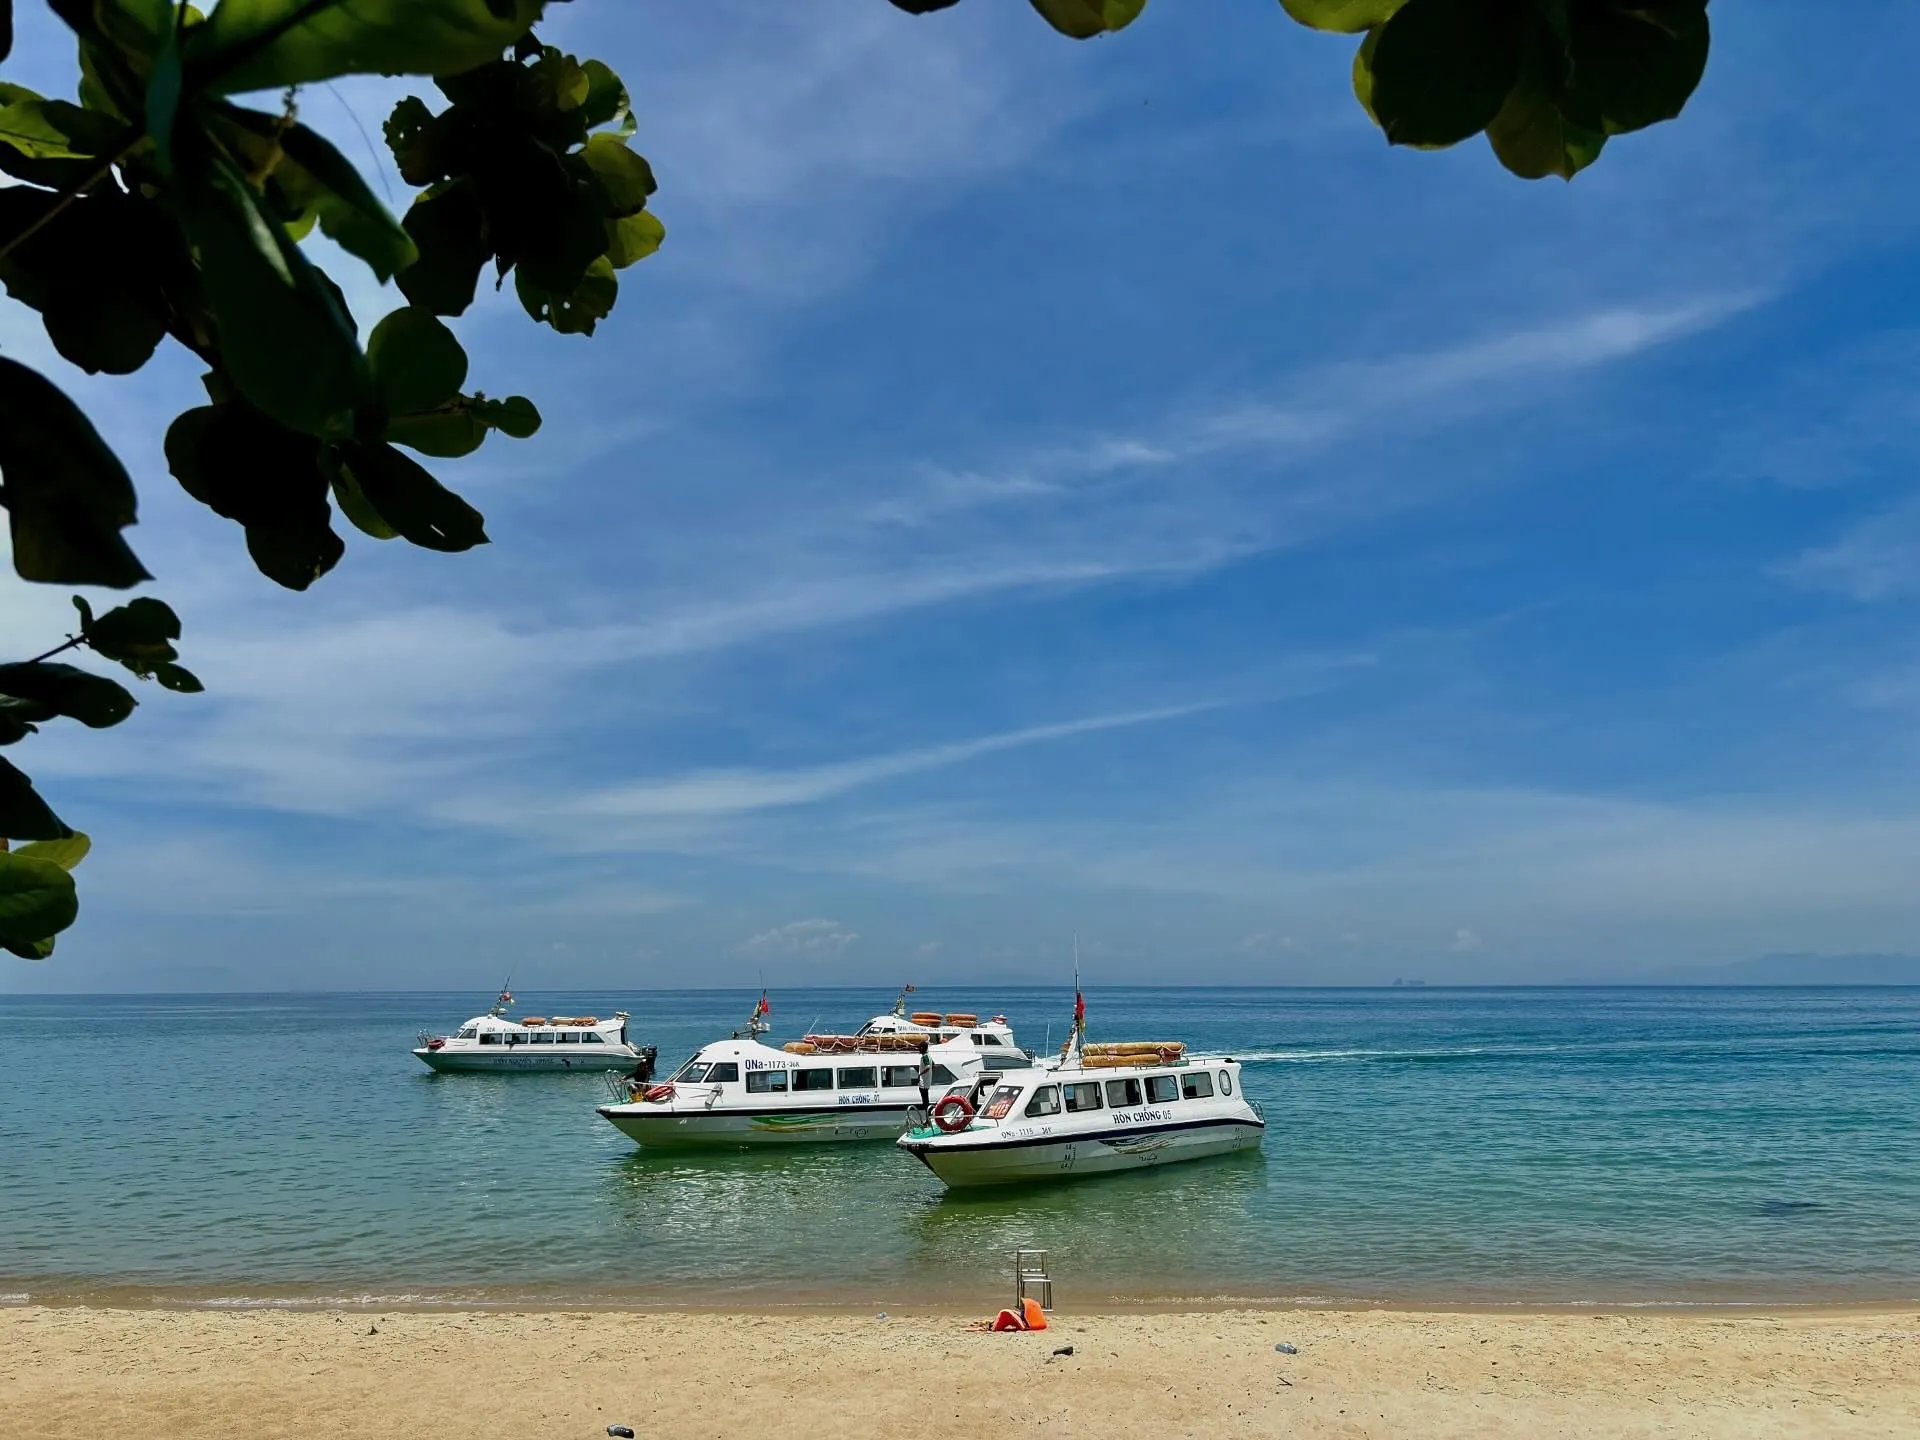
801	937
1878	559
732	792
1464	940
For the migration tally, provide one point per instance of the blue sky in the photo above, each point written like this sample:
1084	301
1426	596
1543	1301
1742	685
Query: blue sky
1044	488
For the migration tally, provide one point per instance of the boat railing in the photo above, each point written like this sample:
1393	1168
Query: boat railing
616	1083
1258	1110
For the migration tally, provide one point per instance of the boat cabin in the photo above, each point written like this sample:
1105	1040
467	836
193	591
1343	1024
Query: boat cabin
751	1069
539	1030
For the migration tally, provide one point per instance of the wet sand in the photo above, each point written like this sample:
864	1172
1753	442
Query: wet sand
173	1374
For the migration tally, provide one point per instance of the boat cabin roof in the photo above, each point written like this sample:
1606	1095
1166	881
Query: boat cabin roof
483	1024
754	1055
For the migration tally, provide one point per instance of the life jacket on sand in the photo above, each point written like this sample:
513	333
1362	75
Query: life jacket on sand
1031	1317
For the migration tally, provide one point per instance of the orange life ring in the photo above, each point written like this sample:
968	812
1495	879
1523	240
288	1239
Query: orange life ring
953	1114
659	1092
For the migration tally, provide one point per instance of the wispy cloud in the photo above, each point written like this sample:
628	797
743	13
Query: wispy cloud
801	937
733	792
1878	559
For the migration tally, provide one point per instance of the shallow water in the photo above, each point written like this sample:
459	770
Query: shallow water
1488	1146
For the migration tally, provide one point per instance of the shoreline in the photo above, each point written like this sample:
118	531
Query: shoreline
141	1302
178	1374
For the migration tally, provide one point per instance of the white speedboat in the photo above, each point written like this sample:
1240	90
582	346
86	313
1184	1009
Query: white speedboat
861	1086
1097	1110
533	1042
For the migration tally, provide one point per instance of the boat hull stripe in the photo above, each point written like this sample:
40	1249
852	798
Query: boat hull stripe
1076	1138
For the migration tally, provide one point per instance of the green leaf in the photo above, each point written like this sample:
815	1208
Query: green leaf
19	719
446	434
23	814
97	271
515	416
163	96
32	949
1635	62
285	340
242	465
413	133
178	677
624	179
417	363
449	230
66	853
67	496
95	701
406	497
1363	73
357	508
316	178
37	900
1530	135
1441	69
1344	17
606	97
1084	19
58	130
577	311
633	238
139	634
270	44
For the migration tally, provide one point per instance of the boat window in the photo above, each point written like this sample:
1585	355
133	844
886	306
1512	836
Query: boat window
766	1082
727	1073
693	1072
943	1076
1045	1101
895	1077
542	1037
980	1039
1123	1092
813	1079
865	1078
569	1037
1197	1085
590	1038
1161	1088
492	1037
1001	1104
946	1035
1226	1083
467	1033
1084	1096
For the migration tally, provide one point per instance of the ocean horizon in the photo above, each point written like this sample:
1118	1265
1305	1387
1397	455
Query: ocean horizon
1427	1144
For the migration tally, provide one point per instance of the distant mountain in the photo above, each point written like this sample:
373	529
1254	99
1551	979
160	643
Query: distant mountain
1797	970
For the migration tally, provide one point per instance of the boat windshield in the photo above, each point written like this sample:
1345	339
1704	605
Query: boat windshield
693	1072
1001	1105
467	1032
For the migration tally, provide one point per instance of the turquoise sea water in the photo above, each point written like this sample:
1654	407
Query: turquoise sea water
1558	1146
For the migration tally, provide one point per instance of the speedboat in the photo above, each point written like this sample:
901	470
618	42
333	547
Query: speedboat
533	1042
1098	1109
823	1087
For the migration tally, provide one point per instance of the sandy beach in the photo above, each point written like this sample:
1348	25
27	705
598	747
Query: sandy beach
161	1374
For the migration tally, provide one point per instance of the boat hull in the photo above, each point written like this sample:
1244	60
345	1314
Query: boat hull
665	1127
964	1165
517	1059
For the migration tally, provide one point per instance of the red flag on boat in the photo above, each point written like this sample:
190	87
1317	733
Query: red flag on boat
765	1008
1079	1009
